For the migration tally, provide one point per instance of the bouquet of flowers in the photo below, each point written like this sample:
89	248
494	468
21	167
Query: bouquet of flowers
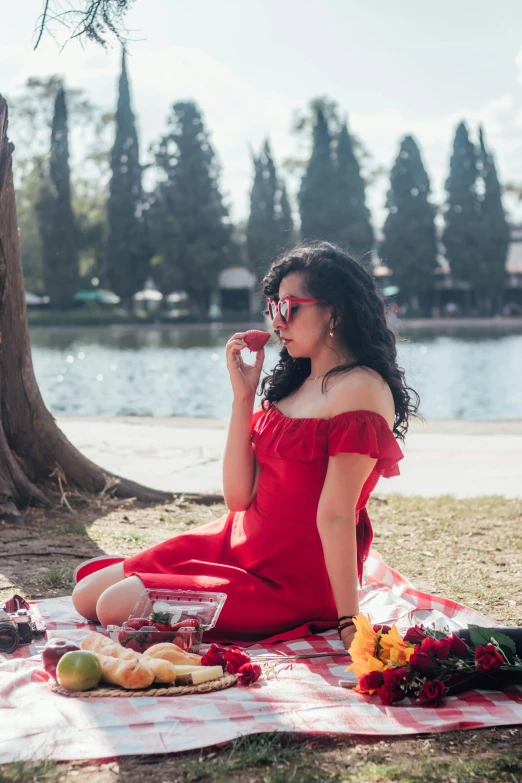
427	664
234	661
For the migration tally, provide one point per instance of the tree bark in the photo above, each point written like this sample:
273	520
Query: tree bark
33	450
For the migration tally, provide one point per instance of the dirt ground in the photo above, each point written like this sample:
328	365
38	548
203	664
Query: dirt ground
468	550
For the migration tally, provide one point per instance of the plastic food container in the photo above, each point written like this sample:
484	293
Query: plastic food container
178	616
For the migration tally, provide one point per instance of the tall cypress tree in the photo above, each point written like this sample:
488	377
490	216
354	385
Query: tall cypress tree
127	256
491	275
55	216
270	224
353	221
462	235
410	241
189	220
317	194
285	221
262	236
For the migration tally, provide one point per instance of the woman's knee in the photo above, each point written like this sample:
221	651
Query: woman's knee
87	592
116	603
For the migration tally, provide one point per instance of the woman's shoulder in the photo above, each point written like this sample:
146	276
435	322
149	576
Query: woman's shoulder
361	389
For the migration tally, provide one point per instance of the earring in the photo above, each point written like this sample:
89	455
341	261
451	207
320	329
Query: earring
331	332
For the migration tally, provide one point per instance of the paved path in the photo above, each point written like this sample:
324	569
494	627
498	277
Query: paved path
462	458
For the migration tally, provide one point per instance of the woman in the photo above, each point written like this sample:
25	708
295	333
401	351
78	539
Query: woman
297	473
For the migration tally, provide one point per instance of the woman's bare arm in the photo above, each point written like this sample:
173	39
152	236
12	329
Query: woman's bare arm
239	461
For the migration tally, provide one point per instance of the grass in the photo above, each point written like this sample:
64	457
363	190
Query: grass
467	550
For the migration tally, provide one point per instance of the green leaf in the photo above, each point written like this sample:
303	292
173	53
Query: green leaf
504	641
482	636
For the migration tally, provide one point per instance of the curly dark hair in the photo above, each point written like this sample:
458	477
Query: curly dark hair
333	276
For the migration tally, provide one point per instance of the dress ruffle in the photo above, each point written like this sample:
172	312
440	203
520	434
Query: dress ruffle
360	432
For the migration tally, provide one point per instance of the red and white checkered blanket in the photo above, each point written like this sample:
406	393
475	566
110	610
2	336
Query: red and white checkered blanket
304	696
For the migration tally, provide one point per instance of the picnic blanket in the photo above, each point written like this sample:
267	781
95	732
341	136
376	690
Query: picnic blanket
301	696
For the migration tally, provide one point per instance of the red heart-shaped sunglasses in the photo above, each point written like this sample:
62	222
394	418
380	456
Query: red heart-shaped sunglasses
284	306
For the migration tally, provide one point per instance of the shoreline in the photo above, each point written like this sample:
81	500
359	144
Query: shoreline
510	325
431	427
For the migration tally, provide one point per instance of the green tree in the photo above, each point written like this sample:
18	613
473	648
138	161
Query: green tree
285	220
189	221
128	252
353	222
270	224
55	215
409	246
463	235
317	193
31	127
491	274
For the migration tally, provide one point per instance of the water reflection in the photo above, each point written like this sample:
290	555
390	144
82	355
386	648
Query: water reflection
165	372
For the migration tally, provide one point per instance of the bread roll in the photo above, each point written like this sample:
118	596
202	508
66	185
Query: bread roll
132	675
98	643
172	653
163	671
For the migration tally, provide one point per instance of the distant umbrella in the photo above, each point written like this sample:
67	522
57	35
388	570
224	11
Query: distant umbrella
177	296
33	299
149	294
97	295
390	290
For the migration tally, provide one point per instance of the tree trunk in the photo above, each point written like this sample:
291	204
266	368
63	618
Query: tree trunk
34	454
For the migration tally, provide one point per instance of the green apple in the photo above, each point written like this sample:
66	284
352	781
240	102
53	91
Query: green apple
79	670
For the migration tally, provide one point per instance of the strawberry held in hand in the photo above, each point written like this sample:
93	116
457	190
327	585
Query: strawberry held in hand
256	340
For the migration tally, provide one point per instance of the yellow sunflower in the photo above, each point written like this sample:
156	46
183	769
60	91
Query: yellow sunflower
393	648
364	640
365	664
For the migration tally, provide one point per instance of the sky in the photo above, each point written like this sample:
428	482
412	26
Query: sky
393	67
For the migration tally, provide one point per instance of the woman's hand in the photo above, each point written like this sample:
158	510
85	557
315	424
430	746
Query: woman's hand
244	377
347	635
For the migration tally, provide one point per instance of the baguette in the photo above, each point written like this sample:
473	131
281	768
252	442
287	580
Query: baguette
172	653
98	643
131	675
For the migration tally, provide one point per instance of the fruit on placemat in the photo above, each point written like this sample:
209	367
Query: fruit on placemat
53	651
79	670
255	339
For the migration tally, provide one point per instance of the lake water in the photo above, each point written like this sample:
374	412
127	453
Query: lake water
182	372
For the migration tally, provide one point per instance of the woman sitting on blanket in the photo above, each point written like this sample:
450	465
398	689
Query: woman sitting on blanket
297	473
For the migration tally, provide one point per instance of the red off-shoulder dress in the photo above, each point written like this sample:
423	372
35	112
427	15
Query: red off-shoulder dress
269	559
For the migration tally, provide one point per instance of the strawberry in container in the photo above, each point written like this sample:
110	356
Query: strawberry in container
177	616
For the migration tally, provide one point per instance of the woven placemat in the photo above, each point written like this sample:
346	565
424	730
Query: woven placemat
167	690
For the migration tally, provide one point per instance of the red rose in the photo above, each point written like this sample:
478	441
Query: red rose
394	678
487	658
389	695
249	673
235	658
441	648
370	682
428	645
421	661
415	635
458	646
382	628
432	693
214	657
